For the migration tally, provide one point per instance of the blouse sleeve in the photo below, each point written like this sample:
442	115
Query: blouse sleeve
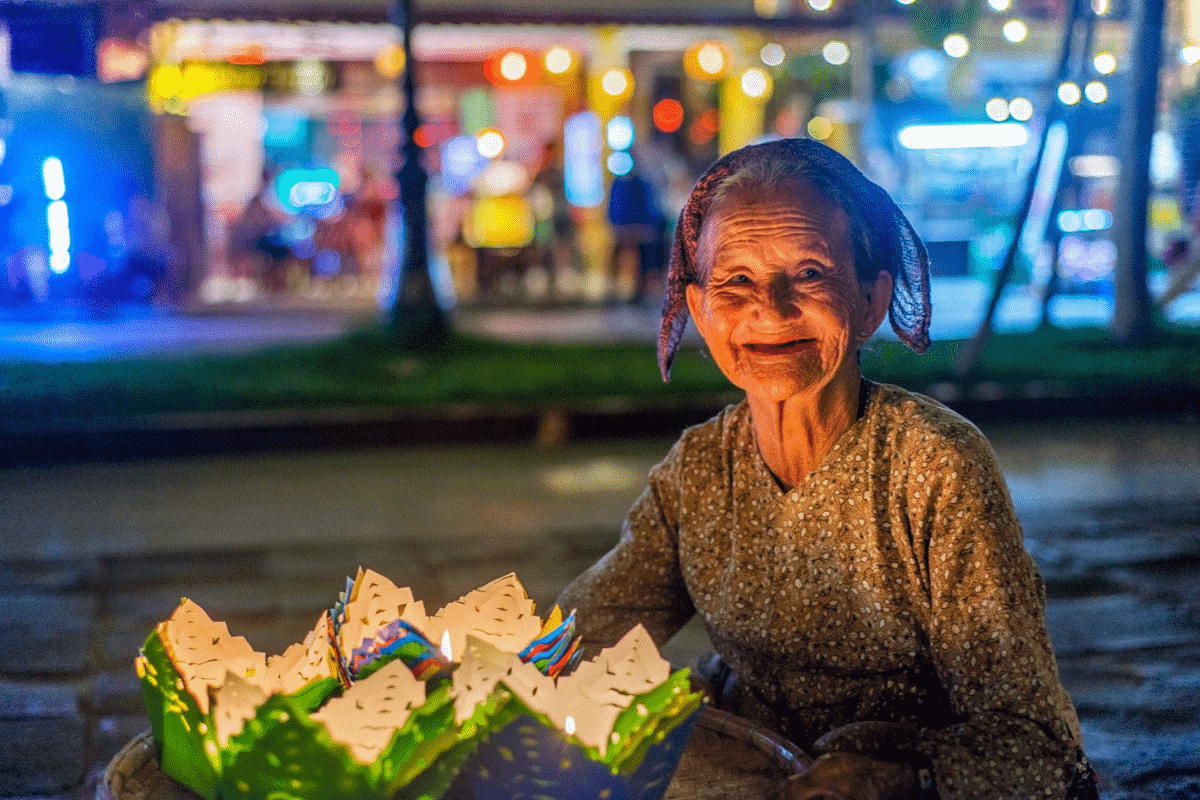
1016	733
639	580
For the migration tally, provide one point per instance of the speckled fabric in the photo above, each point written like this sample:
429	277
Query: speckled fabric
892	584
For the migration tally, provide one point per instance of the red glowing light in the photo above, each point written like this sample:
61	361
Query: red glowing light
705	127
422	137
668	115
253	54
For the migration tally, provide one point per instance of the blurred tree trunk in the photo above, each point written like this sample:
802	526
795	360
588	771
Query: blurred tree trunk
1131	322
417	320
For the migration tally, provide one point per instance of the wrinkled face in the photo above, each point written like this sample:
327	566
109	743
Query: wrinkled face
782	310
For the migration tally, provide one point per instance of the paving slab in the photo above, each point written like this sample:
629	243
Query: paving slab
42	754
1117	622
1129	757
45	632
29	698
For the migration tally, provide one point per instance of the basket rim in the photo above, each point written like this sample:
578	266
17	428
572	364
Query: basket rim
784	752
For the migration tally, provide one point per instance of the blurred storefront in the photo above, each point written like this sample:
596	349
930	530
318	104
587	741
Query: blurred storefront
293	134
274	134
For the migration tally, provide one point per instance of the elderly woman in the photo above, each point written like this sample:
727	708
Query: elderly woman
850	546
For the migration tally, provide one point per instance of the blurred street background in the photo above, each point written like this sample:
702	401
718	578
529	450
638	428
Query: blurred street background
292	287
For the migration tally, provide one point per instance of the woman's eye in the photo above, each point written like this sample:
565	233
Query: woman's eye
810	273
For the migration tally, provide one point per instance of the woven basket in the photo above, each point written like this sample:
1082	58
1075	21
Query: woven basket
727	757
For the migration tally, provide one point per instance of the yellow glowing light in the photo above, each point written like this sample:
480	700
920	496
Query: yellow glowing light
558	60
1096	92
1100	7
1021	109
766	8
707	61
956	45
997	109
490	143
616	82
755	83
820	128
389	62
1190	54
835	52
1015	30
166	81
1068	93
513	66
1105	63
820	5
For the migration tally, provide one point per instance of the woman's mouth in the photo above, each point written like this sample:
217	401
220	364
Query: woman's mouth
779	348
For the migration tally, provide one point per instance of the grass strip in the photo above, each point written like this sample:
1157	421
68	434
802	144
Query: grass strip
365	369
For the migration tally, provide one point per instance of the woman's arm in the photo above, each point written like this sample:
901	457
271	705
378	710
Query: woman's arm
639	580
1018	735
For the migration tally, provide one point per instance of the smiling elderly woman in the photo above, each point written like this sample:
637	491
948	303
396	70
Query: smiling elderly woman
851	547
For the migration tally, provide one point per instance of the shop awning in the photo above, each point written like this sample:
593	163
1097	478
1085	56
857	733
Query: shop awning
770	13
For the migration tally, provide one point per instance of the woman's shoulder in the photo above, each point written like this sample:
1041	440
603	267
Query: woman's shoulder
914	423
720	431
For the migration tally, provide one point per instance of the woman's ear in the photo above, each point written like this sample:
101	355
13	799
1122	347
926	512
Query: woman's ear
695	303
878	297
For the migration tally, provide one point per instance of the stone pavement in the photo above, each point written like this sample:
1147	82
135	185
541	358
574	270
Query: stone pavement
93	555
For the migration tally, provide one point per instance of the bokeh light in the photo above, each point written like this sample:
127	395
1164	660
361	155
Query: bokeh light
1096	91
772	54
619	133
620	163
558	60
956	45
513	66
705	127
997	109
820	128
755	83
615	82
1015	30
707	60
1000	5
820	5
711	59
1105	63
490	143
1068	93
1021	109
835	52
1100	7
668	115
389	61
1190	54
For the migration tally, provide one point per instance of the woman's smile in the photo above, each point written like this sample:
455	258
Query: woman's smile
785	348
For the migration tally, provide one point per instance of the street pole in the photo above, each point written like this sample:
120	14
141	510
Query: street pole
417	320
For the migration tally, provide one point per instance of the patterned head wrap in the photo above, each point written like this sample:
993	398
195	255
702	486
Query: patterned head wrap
889	239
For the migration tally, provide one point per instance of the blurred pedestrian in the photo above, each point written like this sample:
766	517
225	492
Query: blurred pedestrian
638	229
553	231
256	248
149	249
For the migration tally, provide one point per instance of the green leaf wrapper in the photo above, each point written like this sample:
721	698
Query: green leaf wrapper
183	731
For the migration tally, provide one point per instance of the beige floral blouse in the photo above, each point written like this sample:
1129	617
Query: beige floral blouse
892	584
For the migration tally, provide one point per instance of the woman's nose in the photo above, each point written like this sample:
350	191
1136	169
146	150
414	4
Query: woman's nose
780	300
